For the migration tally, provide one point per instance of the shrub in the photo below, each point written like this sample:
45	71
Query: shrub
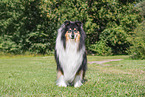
27	25
100	48
31	25
9	46
116	39
137	50
141	6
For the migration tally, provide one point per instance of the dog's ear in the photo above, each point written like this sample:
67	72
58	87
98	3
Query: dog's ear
78	23
66	23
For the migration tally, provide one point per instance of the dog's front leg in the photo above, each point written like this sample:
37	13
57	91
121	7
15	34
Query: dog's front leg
78	79
60	80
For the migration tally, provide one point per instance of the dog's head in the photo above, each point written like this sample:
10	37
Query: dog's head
72	30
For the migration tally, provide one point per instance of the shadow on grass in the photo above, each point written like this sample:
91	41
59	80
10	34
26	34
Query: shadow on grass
72	84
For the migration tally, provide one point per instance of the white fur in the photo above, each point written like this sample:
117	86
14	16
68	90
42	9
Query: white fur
69	58
61	82
77	81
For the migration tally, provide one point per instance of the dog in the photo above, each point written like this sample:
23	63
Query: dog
70	54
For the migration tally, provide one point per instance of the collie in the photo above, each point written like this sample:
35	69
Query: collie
70	54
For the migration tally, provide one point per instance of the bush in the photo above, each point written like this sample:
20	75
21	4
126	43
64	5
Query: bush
31	25
116	39
141	6
100	48
137	50
8	46
113	40
27	25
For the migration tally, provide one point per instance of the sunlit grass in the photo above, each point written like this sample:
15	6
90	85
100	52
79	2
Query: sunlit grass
36	76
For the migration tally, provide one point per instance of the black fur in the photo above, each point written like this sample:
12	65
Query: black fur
84	65
58	63
79	26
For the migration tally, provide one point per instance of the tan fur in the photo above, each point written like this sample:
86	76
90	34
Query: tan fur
78	36
66	35
59	73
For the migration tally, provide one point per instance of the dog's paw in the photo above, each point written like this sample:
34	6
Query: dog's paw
78	84
77	81
61	84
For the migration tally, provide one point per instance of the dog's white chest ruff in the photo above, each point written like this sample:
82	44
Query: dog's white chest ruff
70	59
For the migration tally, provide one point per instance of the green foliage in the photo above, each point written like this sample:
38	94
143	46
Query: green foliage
31	25
115	22
113	40
8	46
100	48
137	50
141	6
29	28
116	39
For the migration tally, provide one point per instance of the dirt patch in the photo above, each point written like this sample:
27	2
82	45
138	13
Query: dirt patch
101	62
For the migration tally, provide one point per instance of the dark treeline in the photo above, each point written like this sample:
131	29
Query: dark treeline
31	25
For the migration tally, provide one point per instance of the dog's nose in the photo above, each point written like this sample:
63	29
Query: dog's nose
72	36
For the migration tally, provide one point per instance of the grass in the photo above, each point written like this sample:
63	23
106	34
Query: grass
36	76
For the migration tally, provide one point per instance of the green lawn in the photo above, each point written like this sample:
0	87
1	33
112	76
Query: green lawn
36	76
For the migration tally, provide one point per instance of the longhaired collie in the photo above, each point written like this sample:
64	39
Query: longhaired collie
70	54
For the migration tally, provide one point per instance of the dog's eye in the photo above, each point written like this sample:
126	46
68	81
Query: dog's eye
69	31
75	31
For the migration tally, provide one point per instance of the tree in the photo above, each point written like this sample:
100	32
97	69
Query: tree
31	25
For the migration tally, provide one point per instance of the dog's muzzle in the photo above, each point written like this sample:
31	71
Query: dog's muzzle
72	36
